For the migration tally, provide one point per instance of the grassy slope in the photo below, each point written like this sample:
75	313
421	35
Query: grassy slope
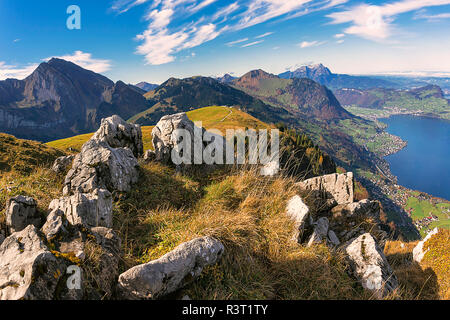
244	211
220	118
24	155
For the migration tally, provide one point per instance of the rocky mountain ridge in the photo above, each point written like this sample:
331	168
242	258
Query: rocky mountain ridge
60	99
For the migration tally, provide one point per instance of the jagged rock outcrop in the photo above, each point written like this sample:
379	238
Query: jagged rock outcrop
2	238
100	165
298	211
78	225
165	138
370	266
56	222
21	211
168	135
330	190
117	133
172	271
28	270
419	251
61	164
87	209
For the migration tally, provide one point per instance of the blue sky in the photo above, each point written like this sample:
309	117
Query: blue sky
152	40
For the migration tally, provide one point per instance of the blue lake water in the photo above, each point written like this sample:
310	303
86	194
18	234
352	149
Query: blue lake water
424	164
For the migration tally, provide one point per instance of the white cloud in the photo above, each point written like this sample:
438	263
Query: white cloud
159	48
252	44
224	12
176	25
374	22
339	35
264	35
203	34
232	43
16	40
201	5
340	41
422	14
15	72
85	60
309	44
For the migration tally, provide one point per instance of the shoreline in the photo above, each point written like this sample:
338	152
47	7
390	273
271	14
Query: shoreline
413	114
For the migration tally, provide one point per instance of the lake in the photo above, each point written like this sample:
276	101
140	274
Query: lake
424	165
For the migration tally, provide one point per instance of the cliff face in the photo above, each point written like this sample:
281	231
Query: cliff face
60	99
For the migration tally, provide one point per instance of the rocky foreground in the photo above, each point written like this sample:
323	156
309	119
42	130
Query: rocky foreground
41	258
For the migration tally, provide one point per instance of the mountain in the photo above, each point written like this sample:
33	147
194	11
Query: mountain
227	78
429	100
60	99
146	86
315	72
324	76
301	96
181	95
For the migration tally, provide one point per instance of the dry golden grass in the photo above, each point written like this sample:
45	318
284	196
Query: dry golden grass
42	184
427	281
22	156
246	213
438	259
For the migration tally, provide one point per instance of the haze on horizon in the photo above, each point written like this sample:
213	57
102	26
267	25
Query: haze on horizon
143	40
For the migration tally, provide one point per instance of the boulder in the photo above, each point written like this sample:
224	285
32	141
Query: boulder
87	209
100	166
56	222
370	266
62	164
418	251
107	160
330	190
271	169
320	232
21	211
168	136
298	211
165	139
28	270
117	133
172	271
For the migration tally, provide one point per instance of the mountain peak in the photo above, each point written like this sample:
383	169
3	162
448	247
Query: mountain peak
315	70
146	86
226	78
258	74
